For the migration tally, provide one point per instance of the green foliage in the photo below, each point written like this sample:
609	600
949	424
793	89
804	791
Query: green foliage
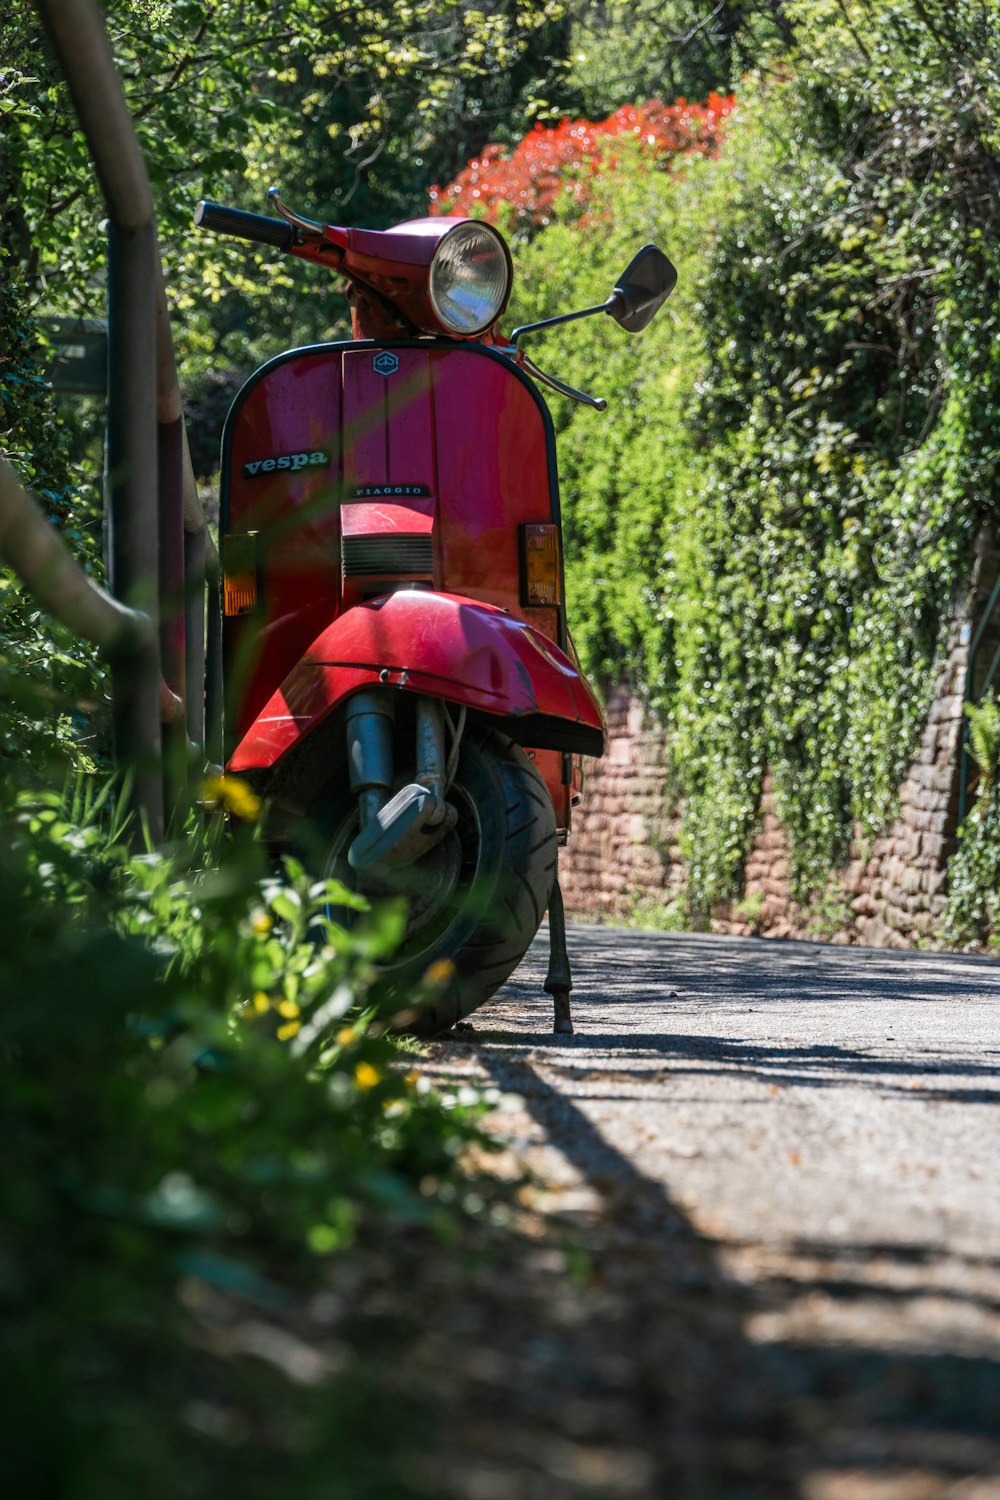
624	50
646	914
750	910
197	1111
984	736
49	684
830	912
973	911
768	529
353	110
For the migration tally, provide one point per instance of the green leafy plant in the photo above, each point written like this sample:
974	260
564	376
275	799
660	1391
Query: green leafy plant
199	1110
830	913
973	911
750	910
649	915
984	736
50	685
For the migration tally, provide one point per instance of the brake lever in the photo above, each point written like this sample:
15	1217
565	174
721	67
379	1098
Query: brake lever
524	363
307	228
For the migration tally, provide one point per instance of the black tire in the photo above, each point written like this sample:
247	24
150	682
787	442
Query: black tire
477	899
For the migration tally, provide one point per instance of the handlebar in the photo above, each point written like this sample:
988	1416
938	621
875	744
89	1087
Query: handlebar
244	226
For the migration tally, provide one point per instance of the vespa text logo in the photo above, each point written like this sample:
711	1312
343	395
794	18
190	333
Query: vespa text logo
293	461
385	363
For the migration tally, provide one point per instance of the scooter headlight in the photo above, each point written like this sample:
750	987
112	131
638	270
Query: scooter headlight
470	278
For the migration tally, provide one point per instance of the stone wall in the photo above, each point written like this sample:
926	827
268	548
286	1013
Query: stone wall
622	860
622	850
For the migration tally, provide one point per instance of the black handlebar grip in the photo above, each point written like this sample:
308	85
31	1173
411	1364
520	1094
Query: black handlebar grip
245	226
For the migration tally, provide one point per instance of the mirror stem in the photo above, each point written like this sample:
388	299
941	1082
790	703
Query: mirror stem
586	312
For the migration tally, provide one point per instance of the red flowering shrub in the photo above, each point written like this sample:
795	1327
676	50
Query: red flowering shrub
552	159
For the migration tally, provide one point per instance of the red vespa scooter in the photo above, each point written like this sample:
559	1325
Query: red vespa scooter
401	684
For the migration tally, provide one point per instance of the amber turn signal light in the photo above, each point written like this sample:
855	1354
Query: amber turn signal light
541	570
240	582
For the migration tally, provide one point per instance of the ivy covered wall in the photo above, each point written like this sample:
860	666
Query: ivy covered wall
768	528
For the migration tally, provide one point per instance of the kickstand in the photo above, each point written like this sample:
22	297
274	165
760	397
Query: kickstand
558	981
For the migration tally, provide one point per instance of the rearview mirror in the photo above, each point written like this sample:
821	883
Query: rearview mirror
642	289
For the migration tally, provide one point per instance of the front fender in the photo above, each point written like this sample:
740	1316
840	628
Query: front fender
441	645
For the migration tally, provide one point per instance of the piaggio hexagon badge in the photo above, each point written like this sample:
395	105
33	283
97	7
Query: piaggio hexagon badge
385	363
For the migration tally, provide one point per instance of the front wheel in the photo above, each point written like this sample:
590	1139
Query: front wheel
477	898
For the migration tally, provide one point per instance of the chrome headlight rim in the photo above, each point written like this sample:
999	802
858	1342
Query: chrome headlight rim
460	230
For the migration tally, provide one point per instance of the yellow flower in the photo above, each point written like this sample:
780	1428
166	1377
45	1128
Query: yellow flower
261	923
241	800
439	972
290	1029
411	1079
232	794
345	1037
211	791
365	1076
261	1003
288	1009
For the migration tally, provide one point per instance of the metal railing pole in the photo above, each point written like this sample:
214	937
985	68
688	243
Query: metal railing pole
214	693
173	618
189	553
76	30
195	552
133	532
169	458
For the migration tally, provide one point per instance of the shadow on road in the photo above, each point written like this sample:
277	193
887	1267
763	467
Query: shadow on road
741	976
812	1067
723	1415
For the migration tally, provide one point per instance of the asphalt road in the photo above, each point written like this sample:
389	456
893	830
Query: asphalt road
781	1161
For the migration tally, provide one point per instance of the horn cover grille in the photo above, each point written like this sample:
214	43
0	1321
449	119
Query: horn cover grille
377	556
